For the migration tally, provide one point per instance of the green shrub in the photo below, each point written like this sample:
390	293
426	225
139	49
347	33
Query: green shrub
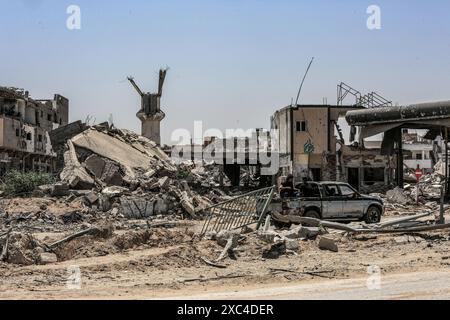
183	174
19	182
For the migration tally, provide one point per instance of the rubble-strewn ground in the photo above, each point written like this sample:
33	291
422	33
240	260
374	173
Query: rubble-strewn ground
141	262
128	219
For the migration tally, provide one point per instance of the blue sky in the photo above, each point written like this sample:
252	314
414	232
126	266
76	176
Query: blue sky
232	63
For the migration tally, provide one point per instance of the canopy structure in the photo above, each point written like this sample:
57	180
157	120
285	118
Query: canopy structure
433	116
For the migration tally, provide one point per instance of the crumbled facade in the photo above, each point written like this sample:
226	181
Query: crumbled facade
25	124
419	152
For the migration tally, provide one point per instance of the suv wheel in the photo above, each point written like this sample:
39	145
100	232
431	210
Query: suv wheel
373	215
311	213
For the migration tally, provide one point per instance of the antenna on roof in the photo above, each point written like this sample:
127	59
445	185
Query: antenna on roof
303	81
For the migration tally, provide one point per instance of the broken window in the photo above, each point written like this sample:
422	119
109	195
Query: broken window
29	136
419	156
302	126
310	190
40	138
373	175
49	117
17	132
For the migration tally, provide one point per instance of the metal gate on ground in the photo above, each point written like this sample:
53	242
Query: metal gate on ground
238	212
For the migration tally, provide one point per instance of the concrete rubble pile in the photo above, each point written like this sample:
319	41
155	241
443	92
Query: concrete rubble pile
23	248
127	175
290	233
405	200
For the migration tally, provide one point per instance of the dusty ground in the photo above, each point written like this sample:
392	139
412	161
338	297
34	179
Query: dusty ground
142	263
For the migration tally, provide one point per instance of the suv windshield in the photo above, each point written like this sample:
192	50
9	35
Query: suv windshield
346	191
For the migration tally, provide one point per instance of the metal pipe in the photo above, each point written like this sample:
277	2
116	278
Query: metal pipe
423	111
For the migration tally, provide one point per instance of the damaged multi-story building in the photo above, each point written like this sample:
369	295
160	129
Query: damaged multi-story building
312	145
25	124
316	142
417	152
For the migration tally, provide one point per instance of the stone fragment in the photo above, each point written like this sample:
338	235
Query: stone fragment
292	244
92	197
47	258
73	173
274	251
60	189
327	243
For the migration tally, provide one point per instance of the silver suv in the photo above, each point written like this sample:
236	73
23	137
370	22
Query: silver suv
331	201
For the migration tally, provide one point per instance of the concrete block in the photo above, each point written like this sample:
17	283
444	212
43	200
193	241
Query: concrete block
149	174
92	197
267	236
275	251
45	189
95	164
164	182
309	232
104	170
292	244
59	189
223	236
47	258
327	243
291	234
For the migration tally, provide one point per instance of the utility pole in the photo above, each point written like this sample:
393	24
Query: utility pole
303	81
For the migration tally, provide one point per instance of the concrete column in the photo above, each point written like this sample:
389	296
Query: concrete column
152	129
400	181
151	125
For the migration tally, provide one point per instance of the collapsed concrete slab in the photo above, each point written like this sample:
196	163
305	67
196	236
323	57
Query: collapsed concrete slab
136	155
187	204
114	149
104	170
137	208
73	173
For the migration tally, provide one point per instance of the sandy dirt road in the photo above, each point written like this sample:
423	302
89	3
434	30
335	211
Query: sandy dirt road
159	263
418	285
